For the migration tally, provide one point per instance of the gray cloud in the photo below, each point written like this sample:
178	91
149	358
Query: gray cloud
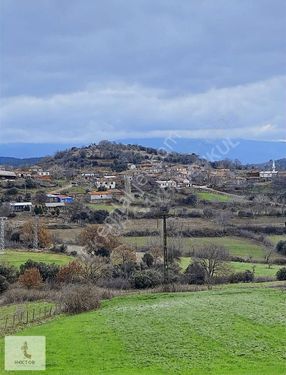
254	110
89	70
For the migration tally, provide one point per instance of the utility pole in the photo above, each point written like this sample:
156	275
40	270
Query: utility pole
165	250
36	233
2	234
164	213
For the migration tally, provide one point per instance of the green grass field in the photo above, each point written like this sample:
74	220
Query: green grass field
213	197
232	331
276	239
261	270
236	246
16	258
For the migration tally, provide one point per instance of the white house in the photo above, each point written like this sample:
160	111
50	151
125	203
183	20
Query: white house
105	183
166	183
21	206
99	196
269	174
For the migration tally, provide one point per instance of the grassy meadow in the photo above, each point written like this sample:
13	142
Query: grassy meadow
237	330
213	197
260	269
236	246
16	258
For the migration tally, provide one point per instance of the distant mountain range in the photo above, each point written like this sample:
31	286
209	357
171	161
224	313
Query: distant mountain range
247	151
16	162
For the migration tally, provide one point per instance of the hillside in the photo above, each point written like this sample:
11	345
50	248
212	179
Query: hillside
113	155
224	331
280	165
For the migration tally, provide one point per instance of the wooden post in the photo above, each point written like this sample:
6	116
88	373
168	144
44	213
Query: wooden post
6	322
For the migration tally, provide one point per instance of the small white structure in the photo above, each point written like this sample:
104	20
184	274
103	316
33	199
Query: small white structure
166	183
98	196
50	205
105	183
7	175
43	173
269	174
20	206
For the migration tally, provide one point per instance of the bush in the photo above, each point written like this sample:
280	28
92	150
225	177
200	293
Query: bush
148	259
242	277
9	272
4	285
31	278
19	295
59	248
80	298
195	274
120	283
70	273
48	271
281	274
281	247
146	279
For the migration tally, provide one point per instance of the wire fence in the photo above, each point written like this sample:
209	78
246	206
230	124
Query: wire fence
11	321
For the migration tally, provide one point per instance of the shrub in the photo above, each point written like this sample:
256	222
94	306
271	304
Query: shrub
80	298
19	295
195	274
146	279
48	271
70	273
3	284
59	248
31	278
120	283
9	272
148	259
281	274
242	277
281	247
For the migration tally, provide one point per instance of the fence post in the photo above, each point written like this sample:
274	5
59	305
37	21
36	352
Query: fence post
6	322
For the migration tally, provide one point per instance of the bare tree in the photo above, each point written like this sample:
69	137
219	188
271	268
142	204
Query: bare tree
223	218
212	259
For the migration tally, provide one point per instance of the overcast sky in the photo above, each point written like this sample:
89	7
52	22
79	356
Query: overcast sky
81	71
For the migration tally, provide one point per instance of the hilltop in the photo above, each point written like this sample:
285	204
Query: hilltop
113	155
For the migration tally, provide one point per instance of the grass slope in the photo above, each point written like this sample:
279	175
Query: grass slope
234	331
261	270
236	246
16	258
213	197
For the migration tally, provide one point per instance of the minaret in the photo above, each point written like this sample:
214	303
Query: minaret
273	167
